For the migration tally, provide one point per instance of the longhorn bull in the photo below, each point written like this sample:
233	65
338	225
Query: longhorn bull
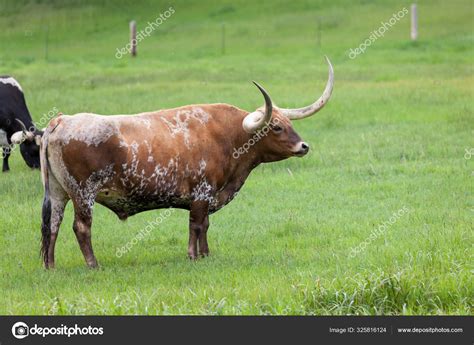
180	158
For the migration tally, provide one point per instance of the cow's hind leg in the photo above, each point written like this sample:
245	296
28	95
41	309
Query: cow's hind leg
198	224
6	155
54	203
82	229
57	212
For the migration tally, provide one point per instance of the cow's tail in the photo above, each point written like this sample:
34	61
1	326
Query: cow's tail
46	213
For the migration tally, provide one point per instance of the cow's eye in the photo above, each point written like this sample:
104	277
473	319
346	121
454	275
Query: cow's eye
277	129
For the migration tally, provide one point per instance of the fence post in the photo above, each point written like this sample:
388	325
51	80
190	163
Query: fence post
414	23
133	37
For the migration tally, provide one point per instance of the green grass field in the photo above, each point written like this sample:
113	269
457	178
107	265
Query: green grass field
393	135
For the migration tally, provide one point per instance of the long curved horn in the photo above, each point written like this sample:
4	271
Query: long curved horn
301	113
22	125
27	134
256	120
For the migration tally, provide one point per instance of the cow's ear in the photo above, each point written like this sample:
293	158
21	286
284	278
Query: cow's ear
38	139
17	138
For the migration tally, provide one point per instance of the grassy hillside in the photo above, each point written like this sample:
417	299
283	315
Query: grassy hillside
394	135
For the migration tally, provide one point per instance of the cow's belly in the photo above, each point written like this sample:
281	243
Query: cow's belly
126	206
126	202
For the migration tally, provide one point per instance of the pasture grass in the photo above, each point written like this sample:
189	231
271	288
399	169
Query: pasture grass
393	135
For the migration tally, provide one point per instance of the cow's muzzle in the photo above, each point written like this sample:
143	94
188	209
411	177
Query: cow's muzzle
302	149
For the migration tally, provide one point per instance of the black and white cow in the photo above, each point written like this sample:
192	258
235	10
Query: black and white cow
16	125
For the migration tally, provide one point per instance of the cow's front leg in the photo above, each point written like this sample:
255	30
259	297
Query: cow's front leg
6	155
198	224
203	247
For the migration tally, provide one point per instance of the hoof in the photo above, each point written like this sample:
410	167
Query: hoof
49	266
93	264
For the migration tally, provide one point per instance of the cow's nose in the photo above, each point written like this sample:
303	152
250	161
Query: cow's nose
303	149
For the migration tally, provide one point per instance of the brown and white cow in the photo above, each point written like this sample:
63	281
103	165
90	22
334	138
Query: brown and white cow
183	158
